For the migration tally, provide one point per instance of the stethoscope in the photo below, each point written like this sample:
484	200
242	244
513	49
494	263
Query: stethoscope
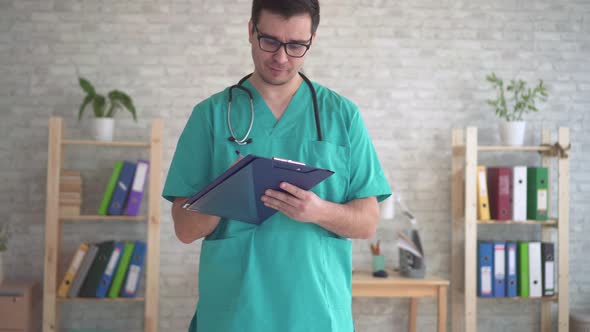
245	140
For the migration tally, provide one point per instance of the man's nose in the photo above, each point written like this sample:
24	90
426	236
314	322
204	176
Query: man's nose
281	55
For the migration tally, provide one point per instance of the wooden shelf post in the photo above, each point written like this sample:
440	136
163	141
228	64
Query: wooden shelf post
153	248
470	229
52	225
458	234
563	275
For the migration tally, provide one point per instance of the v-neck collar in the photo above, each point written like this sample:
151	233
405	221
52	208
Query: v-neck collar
267	119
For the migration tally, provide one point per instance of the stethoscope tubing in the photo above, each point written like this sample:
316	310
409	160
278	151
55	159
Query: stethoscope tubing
314	99
245	140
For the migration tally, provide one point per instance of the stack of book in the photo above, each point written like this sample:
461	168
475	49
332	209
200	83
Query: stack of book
70	193
515	269
517	193
124	189
107	269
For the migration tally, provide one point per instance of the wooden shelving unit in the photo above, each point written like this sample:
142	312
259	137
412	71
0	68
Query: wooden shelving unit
53	223
111	144
465	224
547	223
520	299
97	218
90	300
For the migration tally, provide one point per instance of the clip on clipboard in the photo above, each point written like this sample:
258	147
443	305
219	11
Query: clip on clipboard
236	193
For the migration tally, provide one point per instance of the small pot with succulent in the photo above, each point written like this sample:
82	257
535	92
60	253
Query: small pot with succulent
4	237
511	103
104	109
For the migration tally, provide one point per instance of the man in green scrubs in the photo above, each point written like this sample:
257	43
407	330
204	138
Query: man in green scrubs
291	273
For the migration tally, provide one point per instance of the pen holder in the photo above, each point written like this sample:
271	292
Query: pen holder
378	263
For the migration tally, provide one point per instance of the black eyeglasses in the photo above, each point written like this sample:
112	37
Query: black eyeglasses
271	45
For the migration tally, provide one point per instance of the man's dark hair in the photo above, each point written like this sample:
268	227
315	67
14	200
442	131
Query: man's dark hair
287	9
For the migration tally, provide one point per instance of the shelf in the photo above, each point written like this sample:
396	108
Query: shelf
98	218
550	222
513	148
521	299
466	153
54	222
111	144
100	300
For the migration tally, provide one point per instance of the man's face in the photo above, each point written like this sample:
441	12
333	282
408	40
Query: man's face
278	68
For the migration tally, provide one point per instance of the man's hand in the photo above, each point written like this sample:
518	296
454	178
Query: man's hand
189	225
297	204
357	218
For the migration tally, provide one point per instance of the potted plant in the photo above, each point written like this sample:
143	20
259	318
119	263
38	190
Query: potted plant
4	236
104	109
521	100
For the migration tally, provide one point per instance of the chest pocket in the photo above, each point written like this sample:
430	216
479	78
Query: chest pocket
335	158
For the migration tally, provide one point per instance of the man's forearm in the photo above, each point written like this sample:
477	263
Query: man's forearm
190	226
355	219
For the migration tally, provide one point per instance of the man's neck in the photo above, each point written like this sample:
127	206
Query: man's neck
277	97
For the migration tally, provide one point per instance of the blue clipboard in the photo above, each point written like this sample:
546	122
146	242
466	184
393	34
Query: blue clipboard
236	193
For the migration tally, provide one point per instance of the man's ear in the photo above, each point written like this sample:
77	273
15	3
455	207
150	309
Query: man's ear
250	31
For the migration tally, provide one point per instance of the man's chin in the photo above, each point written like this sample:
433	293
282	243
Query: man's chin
277	79
273	81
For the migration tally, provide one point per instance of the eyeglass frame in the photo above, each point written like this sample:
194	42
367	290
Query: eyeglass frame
281	44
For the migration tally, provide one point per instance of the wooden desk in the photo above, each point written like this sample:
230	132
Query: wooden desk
365	285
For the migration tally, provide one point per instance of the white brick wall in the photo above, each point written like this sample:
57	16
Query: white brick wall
415	68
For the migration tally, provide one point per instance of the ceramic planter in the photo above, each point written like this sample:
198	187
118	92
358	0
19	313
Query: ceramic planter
512	132
102	129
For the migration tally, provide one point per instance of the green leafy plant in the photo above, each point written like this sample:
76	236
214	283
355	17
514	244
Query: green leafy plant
4	236
522	99
103	107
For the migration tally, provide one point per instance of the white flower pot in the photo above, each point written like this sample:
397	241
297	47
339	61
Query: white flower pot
103	128
512	132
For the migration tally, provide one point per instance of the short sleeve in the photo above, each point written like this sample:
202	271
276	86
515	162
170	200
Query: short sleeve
366	175
190	169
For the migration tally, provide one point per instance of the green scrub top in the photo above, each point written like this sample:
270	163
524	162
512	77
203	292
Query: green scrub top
282	275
